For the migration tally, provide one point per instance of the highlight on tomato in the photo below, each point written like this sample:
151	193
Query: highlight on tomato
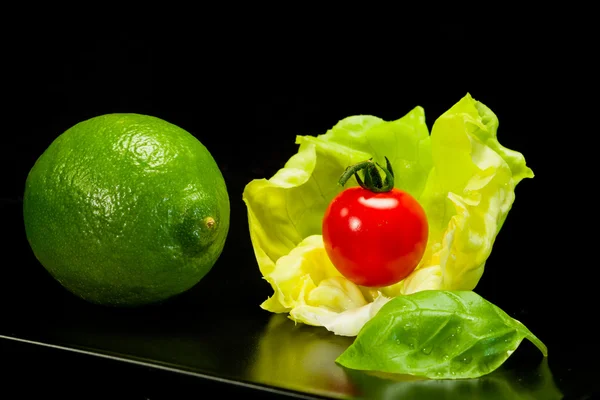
374	234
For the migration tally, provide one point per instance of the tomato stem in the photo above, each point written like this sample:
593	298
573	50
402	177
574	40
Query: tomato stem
372	179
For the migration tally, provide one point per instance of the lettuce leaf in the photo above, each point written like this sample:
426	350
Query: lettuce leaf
462	176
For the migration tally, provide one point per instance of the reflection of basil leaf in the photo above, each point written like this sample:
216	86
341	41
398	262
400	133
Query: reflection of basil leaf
437	334
499	385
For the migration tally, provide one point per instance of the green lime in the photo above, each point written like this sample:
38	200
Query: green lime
126	210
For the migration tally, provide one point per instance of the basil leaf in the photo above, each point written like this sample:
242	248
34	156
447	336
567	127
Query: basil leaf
437	334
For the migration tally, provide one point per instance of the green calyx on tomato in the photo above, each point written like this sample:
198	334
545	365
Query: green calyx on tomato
372	180
375	235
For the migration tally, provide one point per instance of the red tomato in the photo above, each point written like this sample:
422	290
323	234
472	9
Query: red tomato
375	239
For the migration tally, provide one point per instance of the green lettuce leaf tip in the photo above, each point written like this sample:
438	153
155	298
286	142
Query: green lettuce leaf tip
461	174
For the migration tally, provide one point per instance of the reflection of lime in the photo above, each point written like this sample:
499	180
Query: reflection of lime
126	209
301	357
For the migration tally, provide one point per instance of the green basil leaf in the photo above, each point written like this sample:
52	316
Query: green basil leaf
437	334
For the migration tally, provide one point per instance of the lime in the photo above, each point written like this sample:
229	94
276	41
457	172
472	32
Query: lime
126	210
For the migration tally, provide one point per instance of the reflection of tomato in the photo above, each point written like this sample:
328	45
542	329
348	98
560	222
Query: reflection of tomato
375	239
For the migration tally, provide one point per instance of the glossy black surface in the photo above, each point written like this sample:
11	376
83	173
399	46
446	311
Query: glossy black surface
217	334
246	102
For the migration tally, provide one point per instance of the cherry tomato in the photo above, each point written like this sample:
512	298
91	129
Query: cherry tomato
375	238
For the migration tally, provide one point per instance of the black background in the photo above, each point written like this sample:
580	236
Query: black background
245	92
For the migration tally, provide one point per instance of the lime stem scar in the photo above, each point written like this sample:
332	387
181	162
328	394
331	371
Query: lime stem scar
210	222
